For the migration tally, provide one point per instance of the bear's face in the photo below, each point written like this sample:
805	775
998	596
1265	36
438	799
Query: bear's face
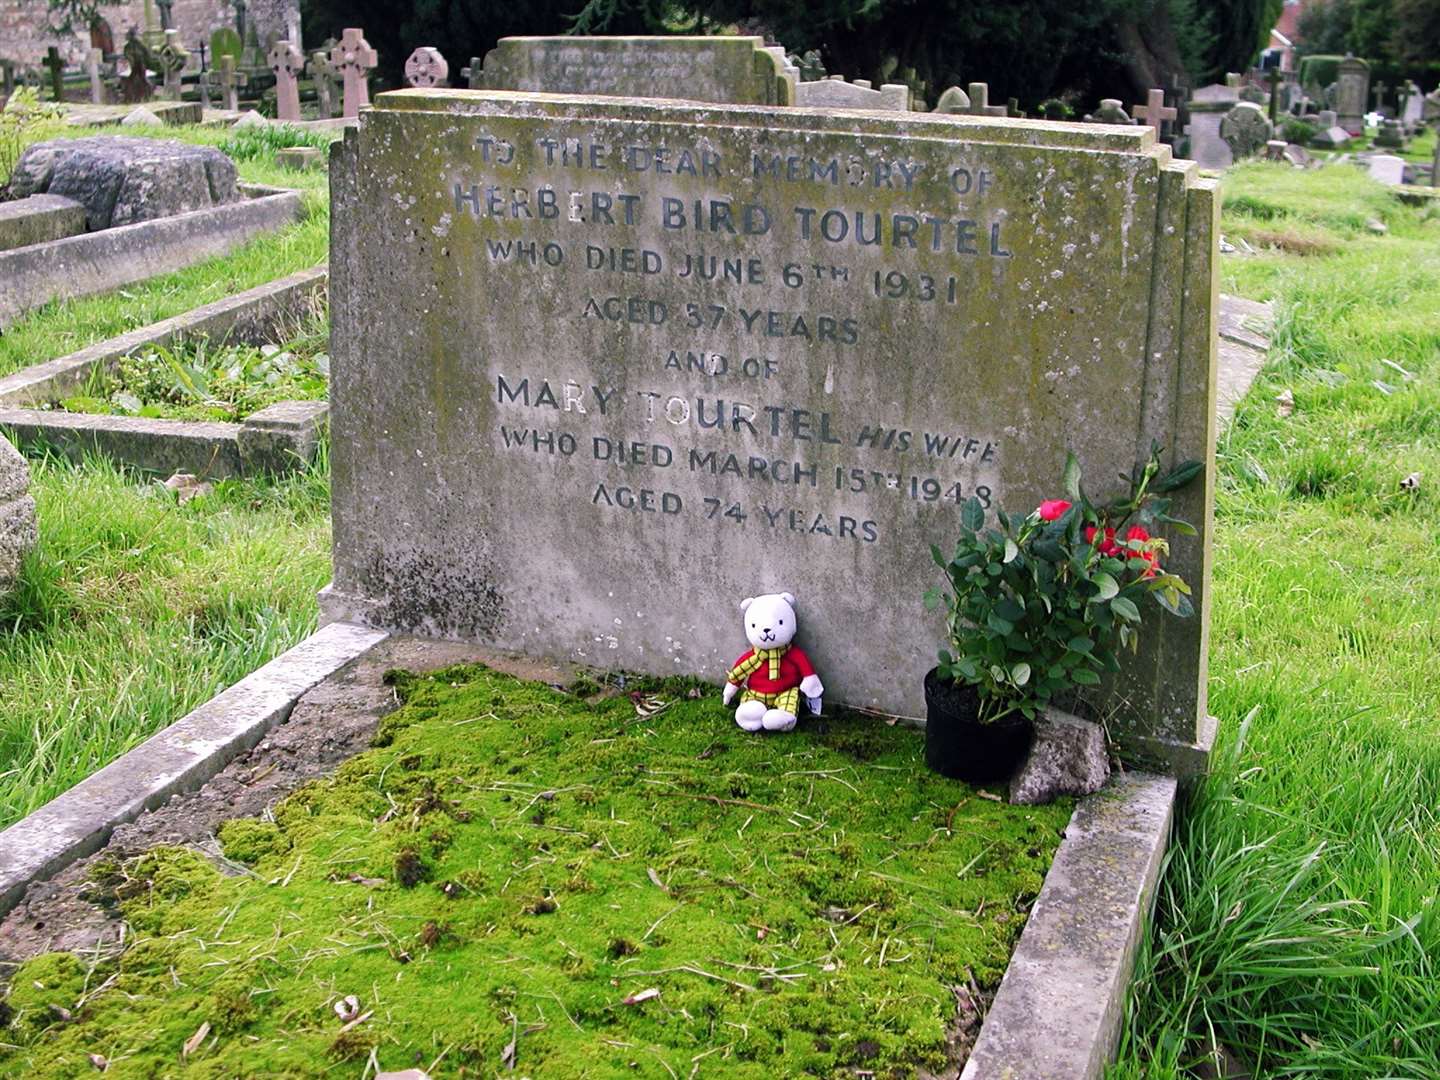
769	620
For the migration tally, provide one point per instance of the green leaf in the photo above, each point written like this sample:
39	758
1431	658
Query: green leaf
1003	626
1009	610
1020	674
972	514
932	599
1070	479
945	657
1079	644
1012	551
1177	477
1174	602
937	556
1085	677
1107	585
1125	608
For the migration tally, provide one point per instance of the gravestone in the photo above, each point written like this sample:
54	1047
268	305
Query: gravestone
352	58
953	100
121	181
322	75
1377	95
229	82
1215	93
1412	109
738	70
92	67
1352	91
425	67
135	87
979	97
1206	147
1154	113
1111	111
1252	94
18	533
1245	130
173	57
56	67
225	42
725	350
836	93
287	62
1387	168
1391	134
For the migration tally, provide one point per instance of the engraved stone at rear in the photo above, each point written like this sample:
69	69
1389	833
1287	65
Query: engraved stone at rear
604	368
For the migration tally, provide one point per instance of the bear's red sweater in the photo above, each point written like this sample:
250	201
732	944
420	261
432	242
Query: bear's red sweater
794	666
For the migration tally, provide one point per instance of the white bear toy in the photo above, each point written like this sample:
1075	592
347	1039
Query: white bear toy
774	673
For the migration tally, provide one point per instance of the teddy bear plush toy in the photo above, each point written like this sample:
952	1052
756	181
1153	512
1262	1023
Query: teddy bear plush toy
774	673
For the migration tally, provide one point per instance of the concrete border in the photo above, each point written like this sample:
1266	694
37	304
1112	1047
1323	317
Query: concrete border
1057	1013
180	758
99	261
244	317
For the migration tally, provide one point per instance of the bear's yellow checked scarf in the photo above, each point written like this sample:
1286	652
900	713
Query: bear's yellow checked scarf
743	669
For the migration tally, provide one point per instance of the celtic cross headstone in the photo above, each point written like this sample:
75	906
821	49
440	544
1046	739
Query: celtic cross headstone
172	56
229	82
353	58
426	67
1245	130
287	63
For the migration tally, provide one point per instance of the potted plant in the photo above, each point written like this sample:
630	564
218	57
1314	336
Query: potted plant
1038	607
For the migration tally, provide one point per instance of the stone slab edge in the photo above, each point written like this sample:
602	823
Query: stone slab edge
1058	1011
65	375
99	261
180	758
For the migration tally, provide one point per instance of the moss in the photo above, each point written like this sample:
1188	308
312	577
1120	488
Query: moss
798	901
248	840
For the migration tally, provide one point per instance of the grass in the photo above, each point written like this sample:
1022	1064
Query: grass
1296	932
62	327
134	610
511	867
197	380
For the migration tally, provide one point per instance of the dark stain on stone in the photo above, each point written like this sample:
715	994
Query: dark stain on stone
423	593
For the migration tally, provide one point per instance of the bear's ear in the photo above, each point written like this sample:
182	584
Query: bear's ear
789	598
746	602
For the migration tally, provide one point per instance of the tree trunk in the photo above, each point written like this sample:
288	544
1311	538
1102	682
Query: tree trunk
1150	54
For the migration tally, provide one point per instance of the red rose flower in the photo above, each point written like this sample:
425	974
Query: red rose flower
1107	545
1051	509
1137	532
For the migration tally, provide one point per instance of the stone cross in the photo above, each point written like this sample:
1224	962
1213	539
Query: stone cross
229	82
287	62
1154	111
353	58
57	72
204	82
167	17
471	74
92	65
323	76
172	56
426	68
1378	93
980	101
201	47
1274	78
240	7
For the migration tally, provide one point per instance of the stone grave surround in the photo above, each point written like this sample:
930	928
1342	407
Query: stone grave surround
735	70
559	428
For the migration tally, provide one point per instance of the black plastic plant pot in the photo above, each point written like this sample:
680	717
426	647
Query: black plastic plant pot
957	745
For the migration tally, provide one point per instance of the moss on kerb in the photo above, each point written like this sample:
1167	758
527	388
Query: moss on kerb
579	107
514	862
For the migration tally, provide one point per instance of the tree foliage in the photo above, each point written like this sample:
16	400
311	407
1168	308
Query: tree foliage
1404	31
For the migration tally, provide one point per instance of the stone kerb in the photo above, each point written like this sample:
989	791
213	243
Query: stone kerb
629	448
734	70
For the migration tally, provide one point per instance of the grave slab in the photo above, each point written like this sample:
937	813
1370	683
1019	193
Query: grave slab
39	219
780	361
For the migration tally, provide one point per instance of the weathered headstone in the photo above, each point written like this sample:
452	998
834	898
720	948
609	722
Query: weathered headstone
1412	108
1245	130
737	70
352	58
322	75
728	349
135	87
173	57
56	67
121	181
425	67
953	100
1154	113
1387	168
979	95
225	42
92	67
229	81
1111	111
1352	91
1391	134
836	93
287	62
1275	150
18	533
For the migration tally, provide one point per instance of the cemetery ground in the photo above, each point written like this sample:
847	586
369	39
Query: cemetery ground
1294	934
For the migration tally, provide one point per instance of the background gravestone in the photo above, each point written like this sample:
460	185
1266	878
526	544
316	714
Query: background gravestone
1245	130
122	180
17	515
735	70
1352	93
728	350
